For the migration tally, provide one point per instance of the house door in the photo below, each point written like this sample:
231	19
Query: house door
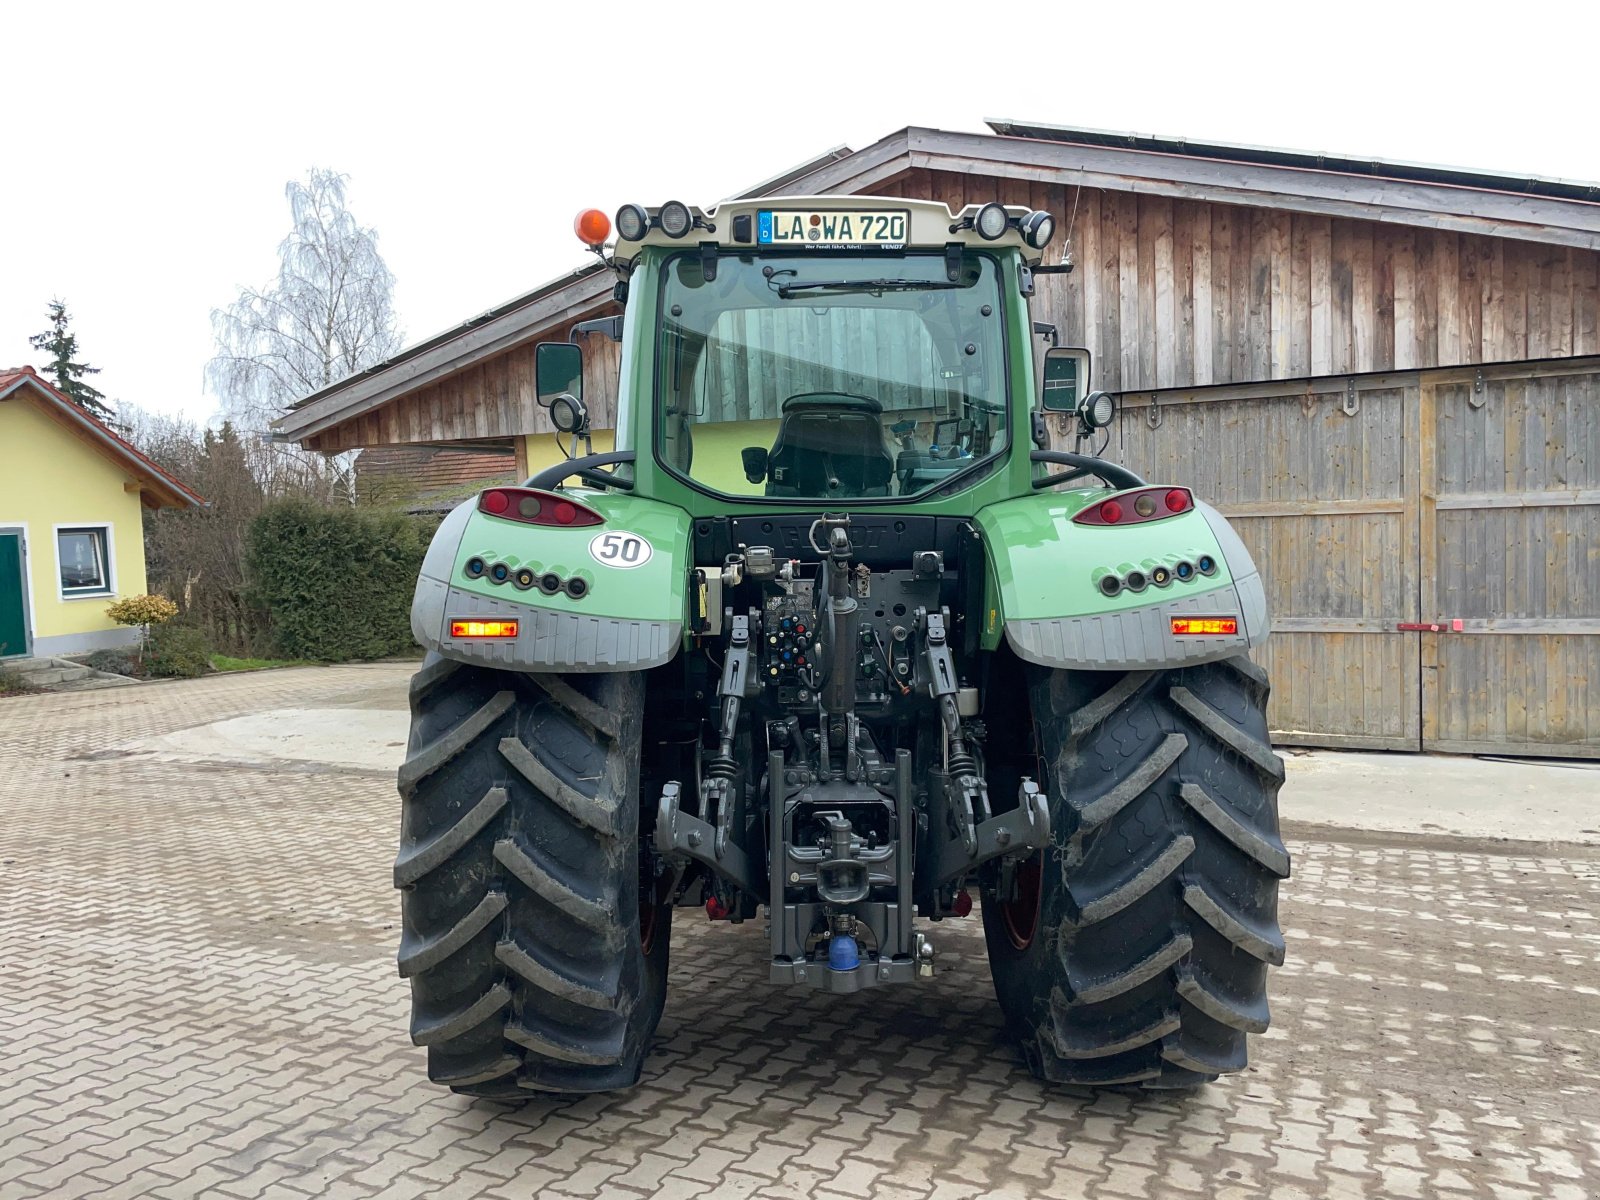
13	596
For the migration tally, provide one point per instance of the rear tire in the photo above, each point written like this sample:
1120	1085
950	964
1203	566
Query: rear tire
533	965
1155	917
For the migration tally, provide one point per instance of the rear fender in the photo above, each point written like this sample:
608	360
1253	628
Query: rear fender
632	572
1044	593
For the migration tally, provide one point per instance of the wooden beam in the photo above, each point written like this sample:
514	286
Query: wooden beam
1310	508
1557	499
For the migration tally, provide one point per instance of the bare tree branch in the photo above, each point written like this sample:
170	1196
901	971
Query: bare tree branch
328	314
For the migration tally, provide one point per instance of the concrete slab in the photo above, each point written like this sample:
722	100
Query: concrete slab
364	729
1443	795
352	738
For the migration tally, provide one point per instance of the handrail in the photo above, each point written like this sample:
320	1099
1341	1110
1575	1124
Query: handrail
1083	464
584	469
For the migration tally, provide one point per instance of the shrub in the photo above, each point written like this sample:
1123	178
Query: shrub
336	582
176	651
142	610
117	662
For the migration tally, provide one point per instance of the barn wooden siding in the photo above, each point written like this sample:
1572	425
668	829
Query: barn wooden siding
493	399
1167	293
1180	293
1420	497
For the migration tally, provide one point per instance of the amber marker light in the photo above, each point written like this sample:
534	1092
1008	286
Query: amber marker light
592	226
1213	626
483	629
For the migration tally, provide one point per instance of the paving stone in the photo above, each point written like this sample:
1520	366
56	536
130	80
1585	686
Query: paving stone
204	1004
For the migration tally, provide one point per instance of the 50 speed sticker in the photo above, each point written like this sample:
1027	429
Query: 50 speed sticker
619	549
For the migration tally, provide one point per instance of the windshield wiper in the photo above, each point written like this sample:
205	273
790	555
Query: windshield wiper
874	286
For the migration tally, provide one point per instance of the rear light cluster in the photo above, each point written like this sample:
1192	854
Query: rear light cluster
533	507
1130	508
1137	579
524	579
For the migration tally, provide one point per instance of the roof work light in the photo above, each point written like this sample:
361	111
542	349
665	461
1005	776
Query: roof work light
675	220
1037	228
632	222
991	221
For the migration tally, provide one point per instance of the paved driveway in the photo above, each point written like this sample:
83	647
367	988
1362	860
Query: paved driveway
198	998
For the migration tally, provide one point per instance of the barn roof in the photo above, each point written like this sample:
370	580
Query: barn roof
1478	202
1348	164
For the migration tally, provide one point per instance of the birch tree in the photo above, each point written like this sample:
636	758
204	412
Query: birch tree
328	314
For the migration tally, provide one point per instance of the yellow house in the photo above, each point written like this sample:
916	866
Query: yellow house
72	494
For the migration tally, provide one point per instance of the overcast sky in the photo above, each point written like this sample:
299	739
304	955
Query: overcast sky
147	146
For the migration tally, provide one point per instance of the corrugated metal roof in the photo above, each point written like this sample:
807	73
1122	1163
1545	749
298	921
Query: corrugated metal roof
1561	189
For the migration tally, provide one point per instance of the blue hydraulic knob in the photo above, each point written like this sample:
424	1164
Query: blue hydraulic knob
843	953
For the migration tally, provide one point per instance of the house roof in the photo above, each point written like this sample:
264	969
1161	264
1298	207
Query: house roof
157	489
1477	202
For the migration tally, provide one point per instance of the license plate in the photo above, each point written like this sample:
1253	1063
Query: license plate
799	229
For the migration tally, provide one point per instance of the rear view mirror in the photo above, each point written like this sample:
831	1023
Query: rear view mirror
1066	378
557	370
755	463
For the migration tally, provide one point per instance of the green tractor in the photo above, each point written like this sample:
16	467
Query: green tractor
834	639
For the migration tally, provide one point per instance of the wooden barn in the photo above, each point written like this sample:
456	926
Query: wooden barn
1387	374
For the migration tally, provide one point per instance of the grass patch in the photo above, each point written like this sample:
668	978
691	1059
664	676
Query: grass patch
13	684
223	662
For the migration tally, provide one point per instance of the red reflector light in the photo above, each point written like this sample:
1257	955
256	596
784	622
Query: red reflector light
483	629
1134	507
530	506
1209	626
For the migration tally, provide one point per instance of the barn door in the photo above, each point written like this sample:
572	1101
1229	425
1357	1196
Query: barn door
1319	485
1510	525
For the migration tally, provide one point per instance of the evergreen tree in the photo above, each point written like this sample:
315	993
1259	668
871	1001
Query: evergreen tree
62	347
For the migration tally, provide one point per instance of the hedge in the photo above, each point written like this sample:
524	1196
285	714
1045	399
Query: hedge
336	582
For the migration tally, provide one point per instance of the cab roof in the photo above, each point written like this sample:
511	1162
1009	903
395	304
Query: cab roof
734	224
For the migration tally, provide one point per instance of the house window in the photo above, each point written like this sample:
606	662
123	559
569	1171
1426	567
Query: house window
85	568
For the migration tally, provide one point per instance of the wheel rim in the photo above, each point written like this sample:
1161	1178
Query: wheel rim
1020	915
647	922
649	912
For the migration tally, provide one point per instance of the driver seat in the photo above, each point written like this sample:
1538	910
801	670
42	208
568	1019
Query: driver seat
829	444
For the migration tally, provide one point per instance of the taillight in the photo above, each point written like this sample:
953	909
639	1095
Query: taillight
1130	508
533	507
483	629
